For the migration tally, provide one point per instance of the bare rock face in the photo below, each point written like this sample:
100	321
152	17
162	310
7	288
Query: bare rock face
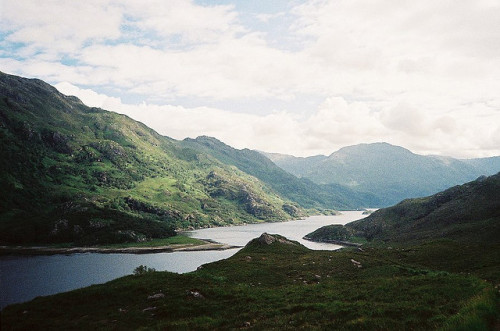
268	239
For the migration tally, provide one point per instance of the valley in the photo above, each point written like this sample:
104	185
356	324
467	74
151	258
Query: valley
79	179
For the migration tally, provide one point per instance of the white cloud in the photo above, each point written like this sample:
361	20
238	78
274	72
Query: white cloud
239	130
336	123
421	74
89	97
59	26
183	18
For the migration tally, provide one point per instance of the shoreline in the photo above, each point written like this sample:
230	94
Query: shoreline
209	245
41	250
333	241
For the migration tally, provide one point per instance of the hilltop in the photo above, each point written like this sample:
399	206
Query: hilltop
468	213
465	213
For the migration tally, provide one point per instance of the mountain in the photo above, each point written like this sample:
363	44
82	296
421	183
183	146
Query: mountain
299	166
391	173
302	191
468	213
72	173
487	165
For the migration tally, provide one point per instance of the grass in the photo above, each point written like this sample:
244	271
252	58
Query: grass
274	287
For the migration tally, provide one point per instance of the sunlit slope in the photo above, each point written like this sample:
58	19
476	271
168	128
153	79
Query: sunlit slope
301	190
71	173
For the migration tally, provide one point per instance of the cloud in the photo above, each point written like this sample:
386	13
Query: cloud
334	124
179	48
55	26
89	97
192	23
422	74
276	131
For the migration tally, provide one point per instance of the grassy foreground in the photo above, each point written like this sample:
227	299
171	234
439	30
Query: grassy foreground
281	284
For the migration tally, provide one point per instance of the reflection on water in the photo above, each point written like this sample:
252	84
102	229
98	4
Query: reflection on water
23	278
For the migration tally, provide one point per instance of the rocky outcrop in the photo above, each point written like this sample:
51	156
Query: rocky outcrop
142	206
219	185
292	210
268	239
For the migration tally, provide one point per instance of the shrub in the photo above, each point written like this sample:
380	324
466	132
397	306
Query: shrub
142	270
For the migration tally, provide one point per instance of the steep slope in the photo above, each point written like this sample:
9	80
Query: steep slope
71	173
468	213
456	230
303	191
389	172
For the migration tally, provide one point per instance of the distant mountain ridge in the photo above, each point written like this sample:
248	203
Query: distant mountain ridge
301	190
389	172
72	173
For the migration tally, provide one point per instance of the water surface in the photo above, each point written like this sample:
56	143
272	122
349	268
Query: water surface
294	230
23	278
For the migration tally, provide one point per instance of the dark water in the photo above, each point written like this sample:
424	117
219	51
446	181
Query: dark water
23	278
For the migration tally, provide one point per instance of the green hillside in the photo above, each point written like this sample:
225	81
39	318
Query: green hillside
71	173
303	191
390	173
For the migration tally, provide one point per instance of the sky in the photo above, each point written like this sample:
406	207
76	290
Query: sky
297	77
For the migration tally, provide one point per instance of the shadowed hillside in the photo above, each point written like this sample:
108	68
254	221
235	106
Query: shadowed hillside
469	212
457	229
